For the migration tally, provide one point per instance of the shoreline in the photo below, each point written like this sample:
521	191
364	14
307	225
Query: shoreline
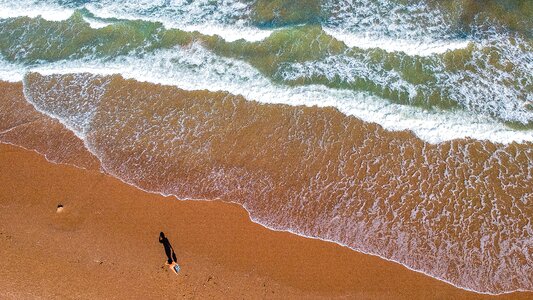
38	132
267	227
214	240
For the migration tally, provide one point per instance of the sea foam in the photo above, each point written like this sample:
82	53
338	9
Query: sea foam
196	68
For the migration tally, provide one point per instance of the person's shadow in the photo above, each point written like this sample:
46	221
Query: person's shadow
169	251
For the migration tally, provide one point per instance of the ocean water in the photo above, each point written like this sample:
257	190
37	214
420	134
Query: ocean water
398	128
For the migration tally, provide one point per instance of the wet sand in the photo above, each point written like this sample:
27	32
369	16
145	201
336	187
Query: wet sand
104	244
458	210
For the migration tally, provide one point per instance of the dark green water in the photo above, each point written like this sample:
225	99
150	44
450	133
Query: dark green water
456	73
491	75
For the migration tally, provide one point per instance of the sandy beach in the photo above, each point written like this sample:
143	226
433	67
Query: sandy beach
309	149
104	244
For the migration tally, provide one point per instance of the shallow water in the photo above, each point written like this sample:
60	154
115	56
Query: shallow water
398	130
453	210
418	56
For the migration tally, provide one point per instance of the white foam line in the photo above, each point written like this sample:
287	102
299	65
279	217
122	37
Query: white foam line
229	32
104	171
18	125
49	12
253	220
410	47
373	254
96	24
46	11
30	100
198	69
249	214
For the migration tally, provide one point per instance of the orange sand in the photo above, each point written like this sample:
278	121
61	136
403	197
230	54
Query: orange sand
451	209
104	244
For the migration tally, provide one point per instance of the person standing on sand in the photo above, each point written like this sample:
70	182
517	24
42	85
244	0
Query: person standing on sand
169	251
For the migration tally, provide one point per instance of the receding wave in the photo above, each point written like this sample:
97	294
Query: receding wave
459	210
398	128
194	68
438	20
22	125
491	79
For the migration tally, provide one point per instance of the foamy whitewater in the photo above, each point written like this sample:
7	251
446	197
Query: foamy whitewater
444	71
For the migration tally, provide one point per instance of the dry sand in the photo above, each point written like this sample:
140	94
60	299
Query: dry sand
104	244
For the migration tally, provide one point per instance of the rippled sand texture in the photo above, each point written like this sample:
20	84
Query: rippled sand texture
460	211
